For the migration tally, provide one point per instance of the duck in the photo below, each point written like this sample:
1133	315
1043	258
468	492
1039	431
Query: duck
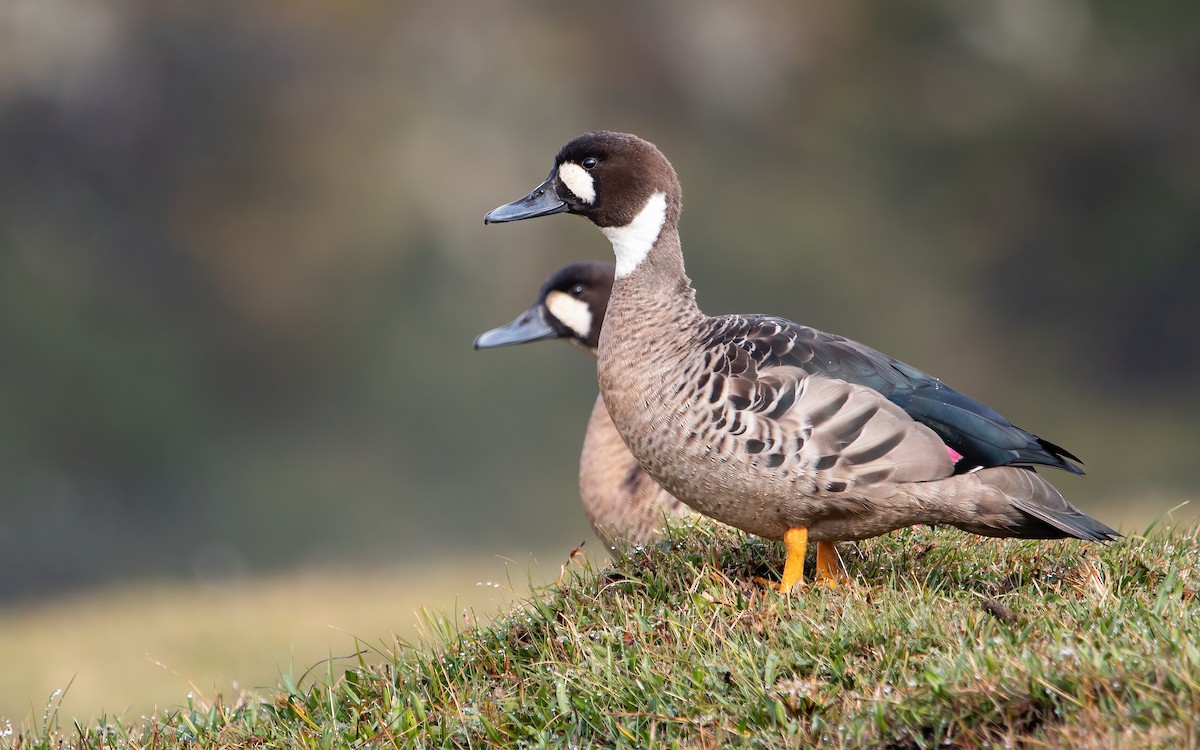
625	507
777	428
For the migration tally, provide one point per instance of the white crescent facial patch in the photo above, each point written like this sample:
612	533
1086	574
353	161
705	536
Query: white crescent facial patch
578	181
574	313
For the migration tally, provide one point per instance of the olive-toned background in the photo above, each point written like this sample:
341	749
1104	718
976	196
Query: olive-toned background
242	257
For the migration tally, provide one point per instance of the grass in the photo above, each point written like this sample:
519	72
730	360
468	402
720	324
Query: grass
945	640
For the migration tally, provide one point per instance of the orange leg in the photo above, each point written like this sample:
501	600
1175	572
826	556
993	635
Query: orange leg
796	541
829	565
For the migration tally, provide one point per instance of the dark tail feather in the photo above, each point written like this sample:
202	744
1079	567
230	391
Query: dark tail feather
1062	454
1073	523
1042	512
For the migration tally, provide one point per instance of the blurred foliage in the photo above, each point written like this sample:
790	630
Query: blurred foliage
242	261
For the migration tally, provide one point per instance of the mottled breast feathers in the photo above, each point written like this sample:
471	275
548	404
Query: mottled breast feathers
793	394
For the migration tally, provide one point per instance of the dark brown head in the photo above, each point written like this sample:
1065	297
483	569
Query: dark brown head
571	304
607	177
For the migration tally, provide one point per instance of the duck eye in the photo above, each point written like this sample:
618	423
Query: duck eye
589	163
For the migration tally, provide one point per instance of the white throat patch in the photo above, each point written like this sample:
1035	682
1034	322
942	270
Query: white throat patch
578	181
632	242
574	313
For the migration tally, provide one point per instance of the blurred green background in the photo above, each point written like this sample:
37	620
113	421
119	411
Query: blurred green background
242	256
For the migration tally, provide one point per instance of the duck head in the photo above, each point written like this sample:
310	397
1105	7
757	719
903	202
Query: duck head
620	182
571	304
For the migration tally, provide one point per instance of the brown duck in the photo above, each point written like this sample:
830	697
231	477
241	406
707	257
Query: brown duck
622	503
776	428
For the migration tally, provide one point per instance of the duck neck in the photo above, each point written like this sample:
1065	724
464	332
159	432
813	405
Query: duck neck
652	313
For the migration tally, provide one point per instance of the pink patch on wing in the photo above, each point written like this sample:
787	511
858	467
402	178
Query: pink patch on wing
955	456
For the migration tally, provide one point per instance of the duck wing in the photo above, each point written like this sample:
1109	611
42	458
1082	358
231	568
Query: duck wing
826	433
978	433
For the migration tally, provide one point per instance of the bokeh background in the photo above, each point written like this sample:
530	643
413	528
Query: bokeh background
242	260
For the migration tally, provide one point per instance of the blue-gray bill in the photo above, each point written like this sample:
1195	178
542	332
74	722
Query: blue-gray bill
543	201
530	325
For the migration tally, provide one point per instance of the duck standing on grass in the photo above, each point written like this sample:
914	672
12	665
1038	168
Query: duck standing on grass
623	504
776	428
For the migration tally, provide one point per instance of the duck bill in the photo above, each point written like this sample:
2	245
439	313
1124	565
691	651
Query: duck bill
530	325
543	201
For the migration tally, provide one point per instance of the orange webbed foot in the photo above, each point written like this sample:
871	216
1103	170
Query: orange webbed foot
829	566
796	541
